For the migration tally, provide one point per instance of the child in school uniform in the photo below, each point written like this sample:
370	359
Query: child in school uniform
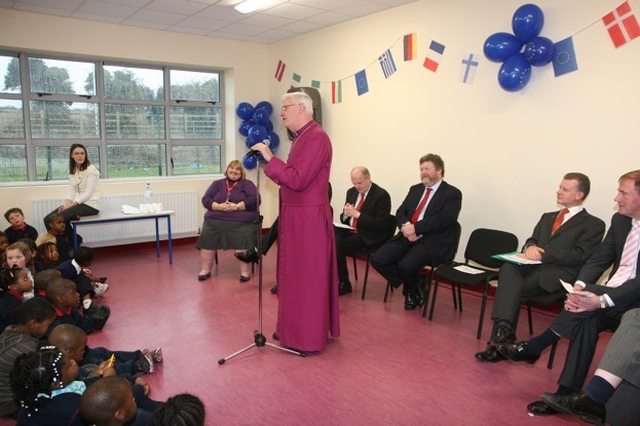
19	228
48	256
57	227
42	280
14	283
19	254
88	285
34	318
4	243
63	295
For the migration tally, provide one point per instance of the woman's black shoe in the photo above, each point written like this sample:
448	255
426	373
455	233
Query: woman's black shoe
248	256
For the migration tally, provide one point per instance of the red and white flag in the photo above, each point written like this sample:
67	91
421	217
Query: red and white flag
621	24
280	70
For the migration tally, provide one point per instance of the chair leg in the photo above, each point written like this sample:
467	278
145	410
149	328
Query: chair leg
355	268
366	276
455	299
552	355
529	316
216	257
482	310
433	299
386	291
427	290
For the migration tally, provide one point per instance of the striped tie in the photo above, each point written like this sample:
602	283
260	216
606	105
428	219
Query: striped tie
629	257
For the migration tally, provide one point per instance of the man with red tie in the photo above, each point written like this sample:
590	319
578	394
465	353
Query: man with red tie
367	209
427	220
563	241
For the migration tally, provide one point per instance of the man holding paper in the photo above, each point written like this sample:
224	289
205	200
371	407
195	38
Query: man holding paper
561	243
592	308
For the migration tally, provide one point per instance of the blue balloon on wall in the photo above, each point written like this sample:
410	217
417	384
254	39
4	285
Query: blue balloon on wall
514	73
274	140
250	161
527	22
243	128
539	51
269	126
249	143
257	133
501	46
265	105
244	110
261	116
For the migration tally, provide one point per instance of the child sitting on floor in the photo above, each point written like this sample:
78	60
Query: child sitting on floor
48	256
57	227
34	318
63	295
14	283
19	228
88	285
181	409
73	340
112	401
42	280
4	243
19	254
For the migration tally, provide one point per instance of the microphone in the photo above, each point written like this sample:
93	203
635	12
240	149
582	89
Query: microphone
267	142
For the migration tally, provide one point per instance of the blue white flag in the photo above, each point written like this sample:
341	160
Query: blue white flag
468	68
387	64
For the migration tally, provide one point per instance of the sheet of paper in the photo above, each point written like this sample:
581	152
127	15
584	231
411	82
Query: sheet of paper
570	289
342	225
514	258
468	269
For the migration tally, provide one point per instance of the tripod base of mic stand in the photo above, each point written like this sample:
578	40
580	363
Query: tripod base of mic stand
259	341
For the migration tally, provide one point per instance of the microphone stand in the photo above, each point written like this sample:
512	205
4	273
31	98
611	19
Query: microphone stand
258	338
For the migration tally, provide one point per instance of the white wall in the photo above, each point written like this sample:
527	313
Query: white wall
507	152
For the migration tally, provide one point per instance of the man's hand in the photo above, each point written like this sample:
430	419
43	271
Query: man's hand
582	301
532	253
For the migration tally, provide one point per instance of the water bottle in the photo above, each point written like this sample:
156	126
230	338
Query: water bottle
148	193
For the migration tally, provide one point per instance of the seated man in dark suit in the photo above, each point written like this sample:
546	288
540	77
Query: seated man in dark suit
563	241
367	209
613	390
591	308
427	219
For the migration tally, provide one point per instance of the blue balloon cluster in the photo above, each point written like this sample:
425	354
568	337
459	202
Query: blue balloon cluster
256	126
521	50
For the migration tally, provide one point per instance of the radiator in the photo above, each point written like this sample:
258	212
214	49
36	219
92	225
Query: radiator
185	222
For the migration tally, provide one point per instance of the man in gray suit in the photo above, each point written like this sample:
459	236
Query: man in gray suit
562	241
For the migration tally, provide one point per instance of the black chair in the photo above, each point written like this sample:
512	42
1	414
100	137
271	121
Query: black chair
368	252
555	298
482	244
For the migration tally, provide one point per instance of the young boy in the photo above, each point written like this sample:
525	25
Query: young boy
19	228
34	317
63	295
88	285
56	227
42	280
4	243
73	340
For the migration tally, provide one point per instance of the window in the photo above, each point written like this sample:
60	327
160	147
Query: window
149	121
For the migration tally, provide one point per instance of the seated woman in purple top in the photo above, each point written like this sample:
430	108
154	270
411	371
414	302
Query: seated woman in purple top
230	220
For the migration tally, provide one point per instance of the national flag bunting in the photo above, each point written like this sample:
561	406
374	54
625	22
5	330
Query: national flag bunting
362	86
295	80
468	68
387	64
621	24
280	70
315	84
434	56
410	43
564	60
336	92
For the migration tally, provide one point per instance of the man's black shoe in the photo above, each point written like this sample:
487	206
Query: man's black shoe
504	334
539	408
274	289
517	352
490	355
248	256
410	302
344	287
420	296
579	404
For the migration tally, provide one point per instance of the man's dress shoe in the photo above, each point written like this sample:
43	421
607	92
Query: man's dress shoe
504	334
490	355
517	352
539	408
248	256
410	302
420	296
344	287
578	404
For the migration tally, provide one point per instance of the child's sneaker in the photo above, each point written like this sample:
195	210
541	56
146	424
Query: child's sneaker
144	364
156	354
101	288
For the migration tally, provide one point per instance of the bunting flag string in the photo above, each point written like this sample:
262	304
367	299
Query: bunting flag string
621	25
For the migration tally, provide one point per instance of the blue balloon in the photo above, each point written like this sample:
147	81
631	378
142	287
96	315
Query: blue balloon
244	110
501	46
274	140
539	51
249	143
260	116
250	161
514	73
243	128
257	133
269	126
527	22
266	105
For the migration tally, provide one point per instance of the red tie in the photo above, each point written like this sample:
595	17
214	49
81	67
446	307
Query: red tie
354	222
559	220
423	202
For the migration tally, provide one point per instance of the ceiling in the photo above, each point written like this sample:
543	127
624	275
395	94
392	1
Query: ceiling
212	18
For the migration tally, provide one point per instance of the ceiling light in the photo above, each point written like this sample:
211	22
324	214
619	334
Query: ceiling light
249	6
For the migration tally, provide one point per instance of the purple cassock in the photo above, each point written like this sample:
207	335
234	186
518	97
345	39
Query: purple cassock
307	272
